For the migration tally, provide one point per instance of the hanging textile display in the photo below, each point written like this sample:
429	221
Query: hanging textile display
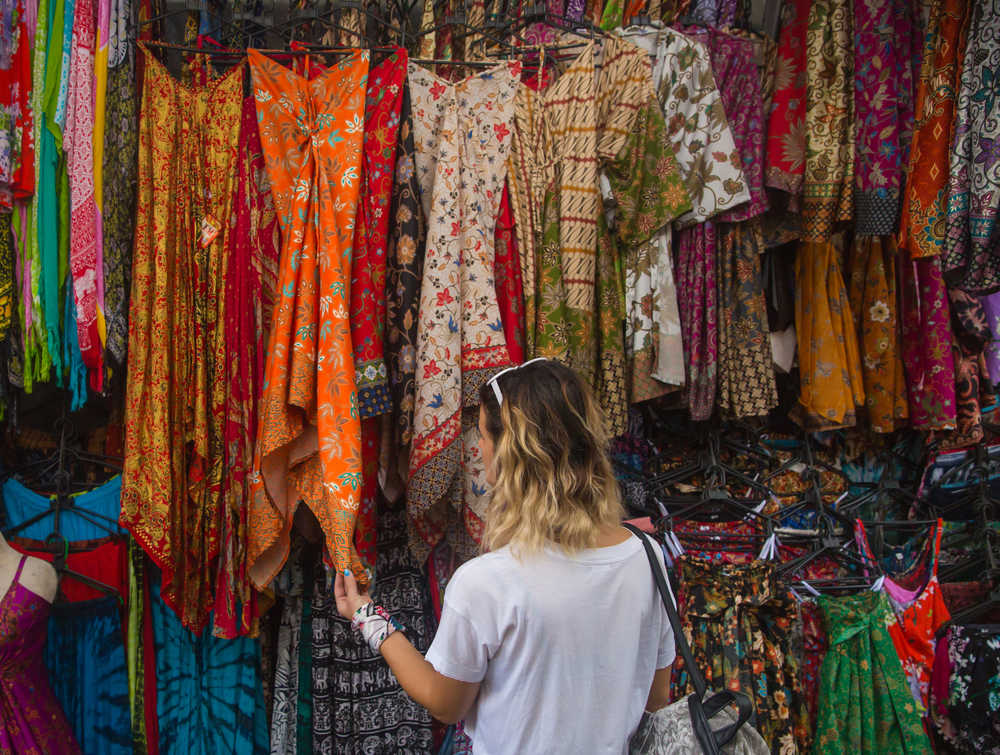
873	298
862	658
87	666
973	191
368	277
738	623
404	271
554	149
462	136
745	374
175	396
309	436
925	201
251	276
786	134
829	172
885	43
209	693
507	277
629	124
829	363
358	705
118	175
927	354
86	265
17	146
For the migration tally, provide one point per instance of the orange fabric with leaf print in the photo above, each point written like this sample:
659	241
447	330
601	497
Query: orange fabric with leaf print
309	445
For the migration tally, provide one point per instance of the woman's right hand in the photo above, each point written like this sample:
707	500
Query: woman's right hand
345	592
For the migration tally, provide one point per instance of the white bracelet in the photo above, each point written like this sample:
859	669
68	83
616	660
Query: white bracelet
375	625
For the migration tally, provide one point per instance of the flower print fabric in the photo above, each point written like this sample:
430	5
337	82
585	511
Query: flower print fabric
884	40
309	436
873	299
17	146
404	271
712	169
746	384
974	687
739	625
786	135
386	81
697	123
831	384
970	259
925	200
861	673
973	388
173	405
462	135
829	174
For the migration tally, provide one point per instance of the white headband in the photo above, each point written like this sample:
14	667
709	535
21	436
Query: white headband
492	382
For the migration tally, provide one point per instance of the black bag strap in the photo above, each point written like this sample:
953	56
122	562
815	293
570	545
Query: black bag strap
697	680
701	709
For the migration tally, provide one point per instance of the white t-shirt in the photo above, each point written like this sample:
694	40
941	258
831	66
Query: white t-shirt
565	648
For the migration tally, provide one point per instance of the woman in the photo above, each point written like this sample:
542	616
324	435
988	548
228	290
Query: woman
556	639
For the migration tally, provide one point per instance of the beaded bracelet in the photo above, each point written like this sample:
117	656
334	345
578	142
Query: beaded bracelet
375	624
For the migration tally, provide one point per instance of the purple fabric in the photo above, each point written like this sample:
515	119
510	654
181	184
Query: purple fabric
30	717
575	9
991	305
883	100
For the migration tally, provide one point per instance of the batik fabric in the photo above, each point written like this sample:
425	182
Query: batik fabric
923	224
462	136
309	432
174	399
970	259
829	173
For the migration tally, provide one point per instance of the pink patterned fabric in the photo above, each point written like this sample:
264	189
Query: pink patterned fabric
78	146
31	720
884	40
927	353
698	305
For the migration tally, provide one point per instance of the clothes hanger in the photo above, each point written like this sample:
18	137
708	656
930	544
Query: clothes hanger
833	544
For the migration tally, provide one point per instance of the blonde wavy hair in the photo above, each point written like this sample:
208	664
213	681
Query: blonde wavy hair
554	481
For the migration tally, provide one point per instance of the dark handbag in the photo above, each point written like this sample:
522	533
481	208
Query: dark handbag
702	710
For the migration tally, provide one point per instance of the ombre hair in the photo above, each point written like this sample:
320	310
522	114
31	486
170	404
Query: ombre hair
554	481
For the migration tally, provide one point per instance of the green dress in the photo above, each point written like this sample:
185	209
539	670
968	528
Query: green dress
865	705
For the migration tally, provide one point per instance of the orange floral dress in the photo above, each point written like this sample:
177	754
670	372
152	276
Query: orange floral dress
309	428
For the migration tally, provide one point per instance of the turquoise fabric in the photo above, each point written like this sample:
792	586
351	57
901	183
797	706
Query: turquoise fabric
85	656
209	698
21	504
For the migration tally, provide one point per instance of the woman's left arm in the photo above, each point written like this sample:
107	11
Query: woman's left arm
446	699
